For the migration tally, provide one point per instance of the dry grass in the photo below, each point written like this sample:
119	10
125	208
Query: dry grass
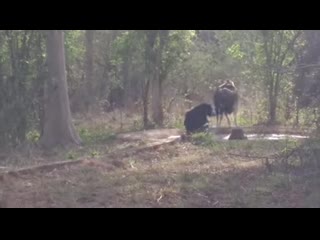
178	175
97	133
202	174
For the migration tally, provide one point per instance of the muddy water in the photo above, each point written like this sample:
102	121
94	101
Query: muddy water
268	136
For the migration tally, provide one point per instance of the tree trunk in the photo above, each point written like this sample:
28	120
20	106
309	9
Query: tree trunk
58	127
269	75
150	59
159	76
272	111
274	99
126	82
145	105
157	111
287	110
41	77
89	68
297	121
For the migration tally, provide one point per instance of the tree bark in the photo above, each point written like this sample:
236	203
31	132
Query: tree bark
274	100
89	67
272	111
145	105
151	36
157	110
58	127
297	121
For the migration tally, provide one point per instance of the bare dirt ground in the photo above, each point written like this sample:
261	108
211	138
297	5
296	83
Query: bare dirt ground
154	169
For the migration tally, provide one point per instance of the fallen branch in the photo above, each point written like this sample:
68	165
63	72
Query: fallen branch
152	146
51	166
254	157
158	200
45	167
215	203
131	164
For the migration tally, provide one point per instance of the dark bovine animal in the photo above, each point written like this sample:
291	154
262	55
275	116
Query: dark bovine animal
226	102
229	85
196	119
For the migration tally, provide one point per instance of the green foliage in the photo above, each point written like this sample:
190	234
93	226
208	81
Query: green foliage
94	154
266	57
309	153
96	135
71	155
22	73
130	45
74	46
178	48
175	121
33	136
235	51
261	64
75	55
204	139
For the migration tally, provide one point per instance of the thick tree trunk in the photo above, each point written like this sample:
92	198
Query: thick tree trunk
58	127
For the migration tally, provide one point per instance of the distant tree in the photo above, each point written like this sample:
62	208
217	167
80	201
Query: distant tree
89	37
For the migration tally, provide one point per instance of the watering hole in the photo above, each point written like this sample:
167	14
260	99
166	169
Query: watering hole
224	134
219	134
266	136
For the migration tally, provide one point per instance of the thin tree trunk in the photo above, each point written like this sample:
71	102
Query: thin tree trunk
297	121
274	100
89	67
150	59
157	111
58	127
126	82
272	113
159	76
268	48
145	105
287	109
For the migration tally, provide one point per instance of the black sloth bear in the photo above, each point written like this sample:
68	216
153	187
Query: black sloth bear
196	118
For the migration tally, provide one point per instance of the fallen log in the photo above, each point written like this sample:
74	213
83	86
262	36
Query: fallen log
123	153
